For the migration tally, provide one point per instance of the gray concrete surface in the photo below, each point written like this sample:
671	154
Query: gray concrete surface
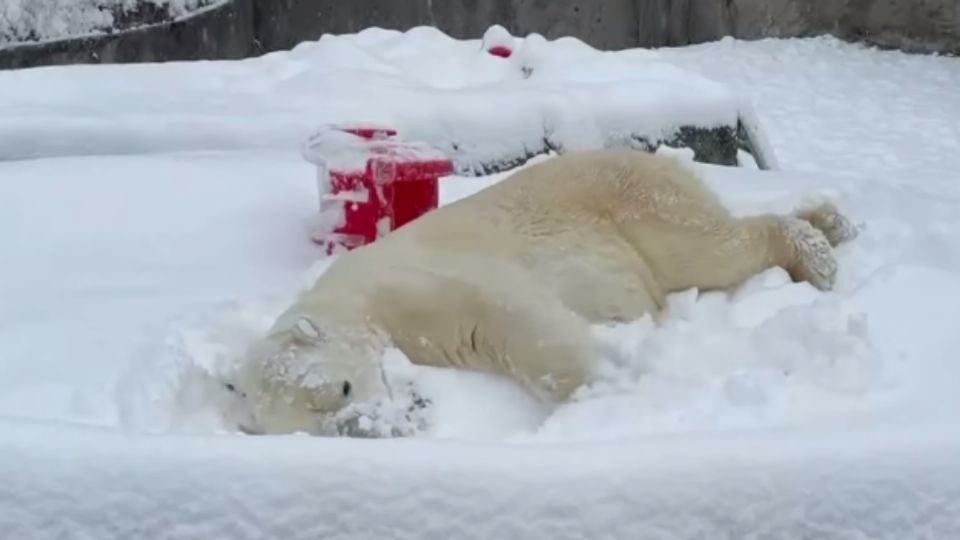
225	31
914	25
607	24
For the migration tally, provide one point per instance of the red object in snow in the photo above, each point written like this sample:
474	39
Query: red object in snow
371	183
500	50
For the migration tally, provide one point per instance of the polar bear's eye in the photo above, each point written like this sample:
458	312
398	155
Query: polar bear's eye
346	388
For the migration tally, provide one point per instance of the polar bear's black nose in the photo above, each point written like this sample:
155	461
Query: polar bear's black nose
231	388
346	388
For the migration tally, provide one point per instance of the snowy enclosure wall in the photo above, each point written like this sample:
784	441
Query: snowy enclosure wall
40	20
221	30
250	27
612	24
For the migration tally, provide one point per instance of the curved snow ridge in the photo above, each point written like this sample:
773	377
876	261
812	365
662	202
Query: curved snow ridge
798	485
476	107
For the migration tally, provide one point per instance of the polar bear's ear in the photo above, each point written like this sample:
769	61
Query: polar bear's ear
307	331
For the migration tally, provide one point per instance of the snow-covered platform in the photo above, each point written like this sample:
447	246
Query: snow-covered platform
62	481
488	113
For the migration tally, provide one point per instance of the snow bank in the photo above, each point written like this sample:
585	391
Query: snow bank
795	485
478	108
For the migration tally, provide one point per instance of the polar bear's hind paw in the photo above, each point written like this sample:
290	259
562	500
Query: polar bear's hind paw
813	259
827	219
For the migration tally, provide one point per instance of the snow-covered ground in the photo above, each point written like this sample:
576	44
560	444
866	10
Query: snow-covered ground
771	412
42	20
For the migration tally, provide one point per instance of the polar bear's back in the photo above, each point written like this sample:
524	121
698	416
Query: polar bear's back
583	193
597	218
614	183
489	279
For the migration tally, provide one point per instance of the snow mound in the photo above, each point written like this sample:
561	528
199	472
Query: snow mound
777	356
482	110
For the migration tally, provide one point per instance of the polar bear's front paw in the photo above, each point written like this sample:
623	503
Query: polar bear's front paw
404	417
812	257
827	219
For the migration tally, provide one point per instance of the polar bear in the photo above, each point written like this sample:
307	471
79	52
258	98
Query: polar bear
510	279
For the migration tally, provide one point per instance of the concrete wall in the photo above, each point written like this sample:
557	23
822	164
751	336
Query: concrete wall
221	32
918	25
915	25
912	25
244	27
607	24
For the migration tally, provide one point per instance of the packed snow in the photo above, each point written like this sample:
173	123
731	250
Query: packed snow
43	20
139	260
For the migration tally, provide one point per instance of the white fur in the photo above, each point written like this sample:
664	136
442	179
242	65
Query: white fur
508	281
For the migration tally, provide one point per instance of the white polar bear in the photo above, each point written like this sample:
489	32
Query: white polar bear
509	279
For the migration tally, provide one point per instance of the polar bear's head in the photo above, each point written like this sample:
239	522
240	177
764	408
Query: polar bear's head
301	377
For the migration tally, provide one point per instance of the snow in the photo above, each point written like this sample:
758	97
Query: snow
423	83
41	20
745	486
131	278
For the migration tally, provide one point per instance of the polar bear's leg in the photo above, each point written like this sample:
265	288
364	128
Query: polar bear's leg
717	251
825	217
612	284
804	251
505	325
546	346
